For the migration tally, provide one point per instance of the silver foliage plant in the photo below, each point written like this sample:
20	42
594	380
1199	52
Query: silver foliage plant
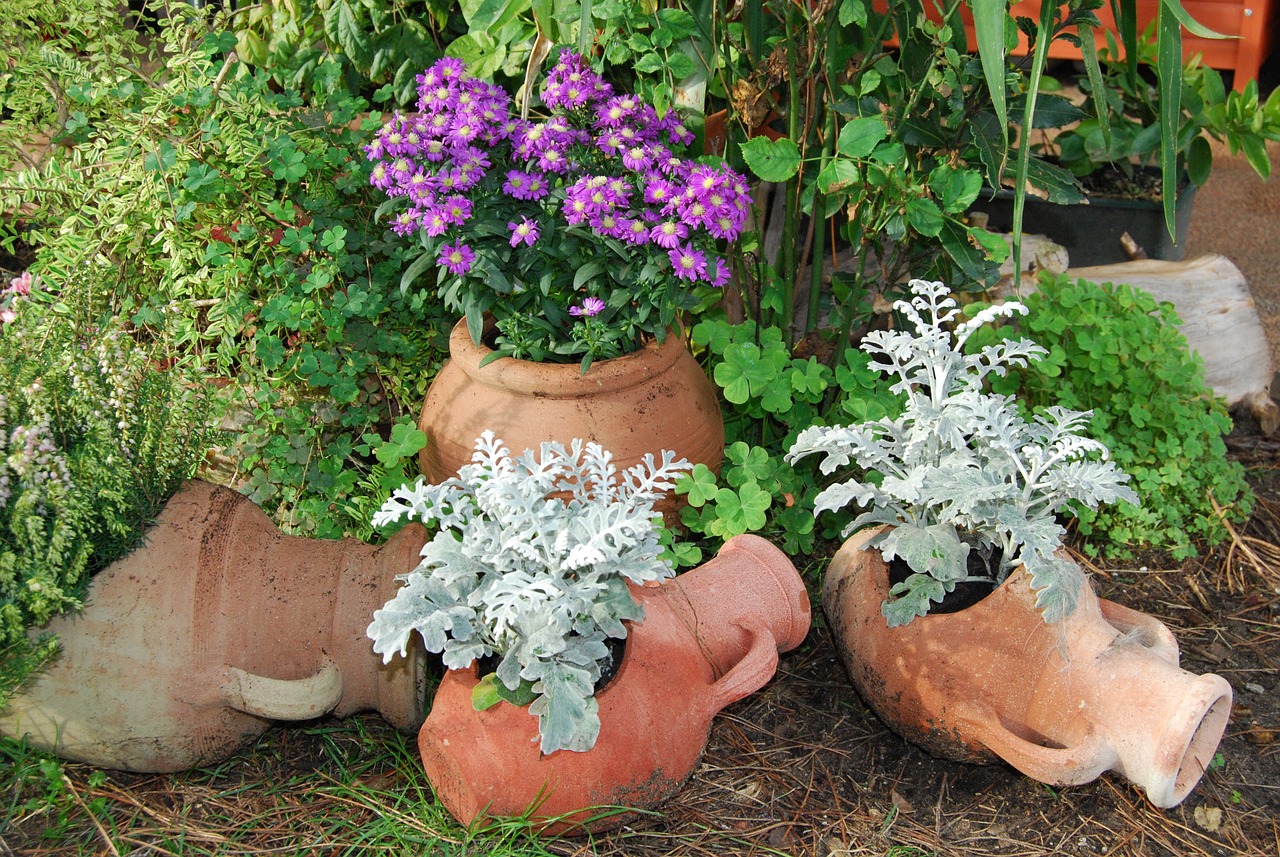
531	563
961	468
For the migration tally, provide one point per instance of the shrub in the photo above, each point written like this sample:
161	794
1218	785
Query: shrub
1115	350
239	227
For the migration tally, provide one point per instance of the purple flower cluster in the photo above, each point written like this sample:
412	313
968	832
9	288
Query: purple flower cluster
601	166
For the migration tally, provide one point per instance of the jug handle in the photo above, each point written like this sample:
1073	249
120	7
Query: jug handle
284	699
1055	766
1156	635
752	672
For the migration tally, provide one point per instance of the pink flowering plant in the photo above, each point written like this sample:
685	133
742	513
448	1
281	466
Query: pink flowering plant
584	234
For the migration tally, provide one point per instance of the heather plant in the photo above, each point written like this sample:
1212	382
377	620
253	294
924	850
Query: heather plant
530	563
93	442
1118	352
960	469
584	234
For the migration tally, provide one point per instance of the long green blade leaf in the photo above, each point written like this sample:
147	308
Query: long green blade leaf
1184	18
988	25
1169	73
1038	60
1089	52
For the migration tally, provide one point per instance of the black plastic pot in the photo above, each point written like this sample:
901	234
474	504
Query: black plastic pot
1091	232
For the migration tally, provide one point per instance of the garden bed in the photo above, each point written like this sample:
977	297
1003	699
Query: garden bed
802	768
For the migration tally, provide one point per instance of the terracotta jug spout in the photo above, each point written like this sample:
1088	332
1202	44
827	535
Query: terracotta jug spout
1120	703
1062	702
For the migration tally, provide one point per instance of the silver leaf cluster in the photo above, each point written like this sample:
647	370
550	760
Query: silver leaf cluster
960	467
530	563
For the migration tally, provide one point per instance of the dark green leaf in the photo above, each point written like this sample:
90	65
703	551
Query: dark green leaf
772	161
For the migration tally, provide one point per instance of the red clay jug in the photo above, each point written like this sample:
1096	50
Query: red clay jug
217	625
1062	702
653	399
709	637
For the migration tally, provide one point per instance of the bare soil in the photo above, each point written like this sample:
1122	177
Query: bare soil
801	768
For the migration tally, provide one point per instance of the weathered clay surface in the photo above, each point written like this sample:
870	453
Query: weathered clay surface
215	627
654	399
709	637
1063	702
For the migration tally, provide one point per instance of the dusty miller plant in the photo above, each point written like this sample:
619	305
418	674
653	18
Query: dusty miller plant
531	563
960	467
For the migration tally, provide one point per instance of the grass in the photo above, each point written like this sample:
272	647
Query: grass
352	787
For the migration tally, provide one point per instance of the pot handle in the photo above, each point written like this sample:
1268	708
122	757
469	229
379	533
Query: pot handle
284	699
1155	635
1055	766
752	672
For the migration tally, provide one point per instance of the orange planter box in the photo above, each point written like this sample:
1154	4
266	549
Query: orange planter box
1251	22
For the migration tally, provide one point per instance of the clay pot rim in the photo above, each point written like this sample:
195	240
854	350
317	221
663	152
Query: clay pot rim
471	674
986	611
562	380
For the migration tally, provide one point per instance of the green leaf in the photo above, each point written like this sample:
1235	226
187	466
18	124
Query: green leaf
852	12
859	138
406	441
415	270
1169	74
988	24
743	372
924	216
483	54
343	28
837	175
955	188
485	694
772	161
698	485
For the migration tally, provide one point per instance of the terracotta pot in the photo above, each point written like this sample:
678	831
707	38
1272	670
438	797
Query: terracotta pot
654	399
709	637
194	643
1062	702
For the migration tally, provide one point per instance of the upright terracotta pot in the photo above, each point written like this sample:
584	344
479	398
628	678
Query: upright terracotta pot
194	643
1062	702
709	637
654	399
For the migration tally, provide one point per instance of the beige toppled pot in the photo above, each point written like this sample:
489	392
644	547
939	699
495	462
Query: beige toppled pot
709	637
1062	702
215	627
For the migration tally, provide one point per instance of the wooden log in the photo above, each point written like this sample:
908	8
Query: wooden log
1219	320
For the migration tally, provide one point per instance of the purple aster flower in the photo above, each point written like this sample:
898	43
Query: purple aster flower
721	275
590	307
607	223
657	190
637	158
516	185
451	68
633	231
405	223
668	234
456	257
434	222
553	161
688	263
538	186
524	232
457	209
